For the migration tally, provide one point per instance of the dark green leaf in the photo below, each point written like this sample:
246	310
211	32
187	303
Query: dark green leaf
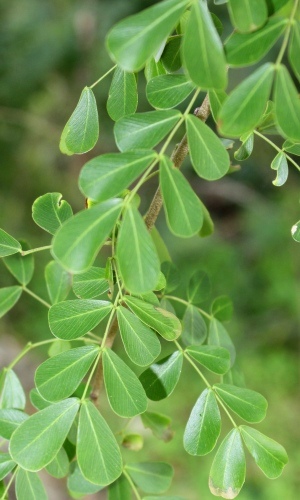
161	248
50	211
246	148
58	282
194	329
228	470
204	425
280	164
59	467
245	106
21	267
90	284
82	129
58	377
275	5
6	464
151	477
123	96
222	308
249	405
108	175
9	296
294	48
199	287
12	393
217	335
161	378
10	419
135	39
182	206
247	15
270	456
78	485
215	359
98	453
73	318
171	55
140	342
78	241
124	390
144	130
45	430
291	147
159	424
205	66
120	489
29	485
287	105
8	244
162	321
167	91
209	157
137	259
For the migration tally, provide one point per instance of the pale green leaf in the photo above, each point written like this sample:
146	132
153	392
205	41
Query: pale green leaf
161	378
59	467
137	259
124	390
21	267
291	147
161	248
247	404
167	91
90	284
208	156
37	441
199	287
222	308
267	124
135	39
204	425
247	15
171	273
287	105
78	485
59	376
246	148
280	164
37	401
120	489
8	244
194	329
6	465
10	419
123	96
296	231
218	336
50	211
151	477
235	376
216	99
9	296
294	48
82	129
29	485
171	57
73	318
216	359
144	130
133	442
228	470
12	393
159	424
79	240
58	282
182	206
140	342
98	453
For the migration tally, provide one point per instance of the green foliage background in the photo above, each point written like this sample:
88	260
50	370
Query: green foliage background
49	51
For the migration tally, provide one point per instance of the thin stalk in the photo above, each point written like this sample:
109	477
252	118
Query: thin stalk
9	483
186	303
36	297
33	250
287	33
133	487
276	147
103	76
225	409
141	181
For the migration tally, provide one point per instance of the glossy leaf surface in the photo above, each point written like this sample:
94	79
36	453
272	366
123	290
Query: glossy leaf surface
122	97
161	378
50	211
247	404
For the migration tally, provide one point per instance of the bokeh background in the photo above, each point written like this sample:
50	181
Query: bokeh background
51	49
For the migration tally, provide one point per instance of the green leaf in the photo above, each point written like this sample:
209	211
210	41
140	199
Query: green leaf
78	485
247	15
294	48
280	164
124	390
205	415
9	296
151	477
59	467
270	456
208	156
216	99
45	430
133	41
275	5
161	378
50	211
120	489
29	485
167	91
182	206
291	147
21	267
154	68
267	124
217	335
144	130
82	129
208	225
228	470
161	248
37	401
246	148
59	376
245	106
98	453
123	96
137	259
6	465
296	231
79	240
199	287
287	105
140	342
247	404
194	329
12	393
8	244
162	321
244	49
90	284
171	58
58	282
215	359
205	66
159	424
108	175
171	273
234	376
222	308
133	442
10	419
73	318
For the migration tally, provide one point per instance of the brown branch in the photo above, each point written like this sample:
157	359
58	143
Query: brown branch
177	157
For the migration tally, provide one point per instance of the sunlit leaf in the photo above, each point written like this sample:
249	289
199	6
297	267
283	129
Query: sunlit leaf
90	284
12	392
161	378
247	404
9	296
151	477
280	164
50	211
122	97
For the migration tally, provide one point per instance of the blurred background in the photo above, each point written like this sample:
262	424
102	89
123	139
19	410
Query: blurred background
50	50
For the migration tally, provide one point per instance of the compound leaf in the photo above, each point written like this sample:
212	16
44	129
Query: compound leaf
161	378
8	244
247	404
215	359
50	211
90	284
